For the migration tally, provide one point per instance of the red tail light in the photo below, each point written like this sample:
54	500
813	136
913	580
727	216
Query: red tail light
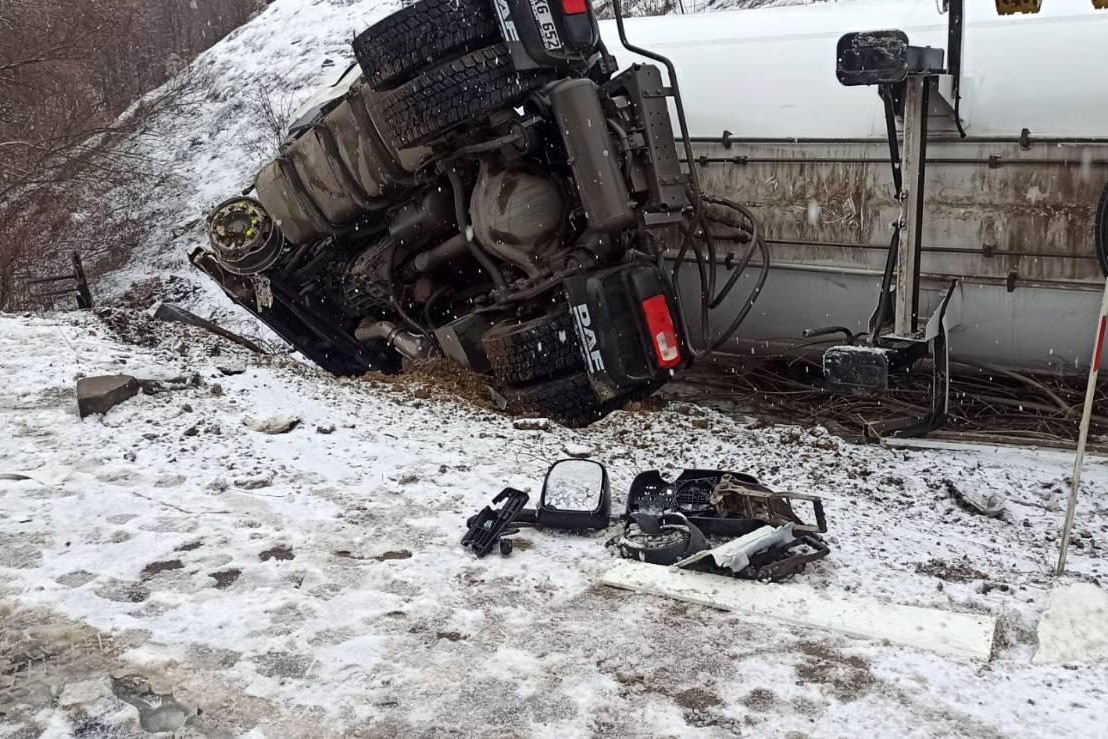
575	7
663	334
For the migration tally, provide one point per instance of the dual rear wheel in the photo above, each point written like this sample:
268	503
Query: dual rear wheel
439	64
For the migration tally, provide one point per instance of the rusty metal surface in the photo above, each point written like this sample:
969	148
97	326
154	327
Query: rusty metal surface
992	208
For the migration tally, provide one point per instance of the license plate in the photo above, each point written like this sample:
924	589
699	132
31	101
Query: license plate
545	19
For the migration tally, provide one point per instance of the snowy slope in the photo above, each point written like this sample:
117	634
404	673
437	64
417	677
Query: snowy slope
312	584
288	51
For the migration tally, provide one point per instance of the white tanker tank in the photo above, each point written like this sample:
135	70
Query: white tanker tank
1011	209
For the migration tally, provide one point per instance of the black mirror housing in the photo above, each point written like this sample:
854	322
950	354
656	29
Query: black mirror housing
883	58
597	516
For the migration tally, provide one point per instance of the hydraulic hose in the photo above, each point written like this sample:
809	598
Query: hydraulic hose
755	293
709	302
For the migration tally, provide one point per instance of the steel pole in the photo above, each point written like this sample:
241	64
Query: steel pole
1090	396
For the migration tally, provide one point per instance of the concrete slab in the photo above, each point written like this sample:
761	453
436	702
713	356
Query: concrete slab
101	394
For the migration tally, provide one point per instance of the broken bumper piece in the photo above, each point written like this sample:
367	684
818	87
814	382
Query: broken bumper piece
671	523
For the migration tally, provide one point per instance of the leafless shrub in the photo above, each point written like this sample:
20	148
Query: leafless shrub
270	113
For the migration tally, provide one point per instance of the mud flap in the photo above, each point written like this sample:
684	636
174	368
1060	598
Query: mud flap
607	309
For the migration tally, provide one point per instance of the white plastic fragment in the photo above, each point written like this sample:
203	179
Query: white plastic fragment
48	475
735	554
962	635
273	426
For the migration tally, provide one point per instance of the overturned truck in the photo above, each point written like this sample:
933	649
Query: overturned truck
483	185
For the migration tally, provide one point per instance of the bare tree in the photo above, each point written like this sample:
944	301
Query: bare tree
71	130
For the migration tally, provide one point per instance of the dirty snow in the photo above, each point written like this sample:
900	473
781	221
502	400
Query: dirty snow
1075	625
312	583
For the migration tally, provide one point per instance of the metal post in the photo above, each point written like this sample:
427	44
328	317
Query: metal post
908	258
1090	396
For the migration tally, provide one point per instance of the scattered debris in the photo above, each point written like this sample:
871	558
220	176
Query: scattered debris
253	483
576	496
272	426
176	314
326	430
669	523
967	636
532	424
1074	629
488	526
577	451
664	539
992	505
101	394
735	554
498	401
734	497
393	556
48	475
450	636
74	284
232	368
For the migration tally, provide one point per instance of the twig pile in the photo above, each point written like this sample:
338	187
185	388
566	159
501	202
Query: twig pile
985	401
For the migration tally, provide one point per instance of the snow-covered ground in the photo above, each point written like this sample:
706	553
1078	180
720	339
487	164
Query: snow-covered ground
312	584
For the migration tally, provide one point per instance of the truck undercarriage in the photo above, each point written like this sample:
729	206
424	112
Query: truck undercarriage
491	190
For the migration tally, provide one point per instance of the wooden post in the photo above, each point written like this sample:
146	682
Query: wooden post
1090	396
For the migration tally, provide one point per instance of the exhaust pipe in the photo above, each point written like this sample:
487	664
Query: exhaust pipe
405	342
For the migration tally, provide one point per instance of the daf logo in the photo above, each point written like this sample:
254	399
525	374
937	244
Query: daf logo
507	25
588	338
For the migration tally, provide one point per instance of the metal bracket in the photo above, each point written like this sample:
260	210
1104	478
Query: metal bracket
906	304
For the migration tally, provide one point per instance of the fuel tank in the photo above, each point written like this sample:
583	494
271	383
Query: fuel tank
336	168
1011	210
770	72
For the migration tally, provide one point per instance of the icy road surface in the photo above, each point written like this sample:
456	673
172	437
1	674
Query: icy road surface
312	584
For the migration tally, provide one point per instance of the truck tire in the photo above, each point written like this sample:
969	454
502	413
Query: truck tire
394	50
535	350
569	400
465	89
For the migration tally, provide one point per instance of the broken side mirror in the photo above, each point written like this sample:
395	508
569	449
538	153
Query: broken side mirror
576	496
883	58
